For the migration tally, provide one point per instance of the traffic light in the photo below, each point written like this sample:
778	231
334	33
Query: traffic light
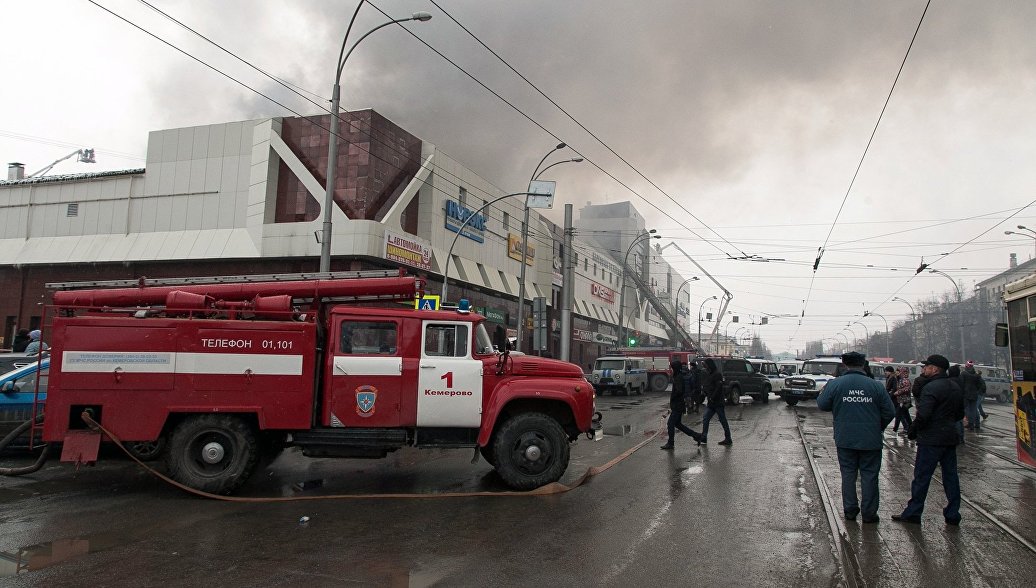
634	339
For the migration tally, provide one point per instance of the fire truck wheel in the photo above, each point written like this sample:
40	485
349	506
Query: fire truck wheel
212	453
146	450
531	450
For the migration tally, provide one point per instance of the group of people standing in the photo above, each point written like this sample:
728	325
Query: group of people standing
862	408
691	385
28	342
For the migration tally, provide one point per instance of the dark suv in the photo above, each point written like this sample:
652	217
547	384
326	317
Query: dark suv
740	377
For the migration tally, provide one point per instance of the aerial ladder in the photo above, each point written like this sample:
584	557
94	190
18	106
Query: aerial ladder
84	156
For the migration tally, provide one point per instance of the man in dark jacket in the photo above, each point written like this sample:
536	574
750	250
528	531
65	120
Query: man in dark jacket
712	387
974	387
678	406
891	381
935	429
862	409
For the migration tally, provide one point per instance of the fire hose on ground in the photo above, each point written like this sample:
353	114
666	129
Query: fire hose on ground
18	432
553	488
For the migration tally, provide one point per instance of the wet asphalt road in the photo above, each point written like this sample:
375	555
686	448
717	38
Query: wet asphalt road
748	515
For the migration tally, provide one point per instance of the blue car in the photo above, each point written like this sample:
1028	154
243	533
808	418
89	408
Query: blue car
17	388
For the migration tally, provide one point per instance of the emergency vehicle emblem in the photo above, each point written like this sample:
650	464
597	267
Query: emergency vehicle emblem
366	396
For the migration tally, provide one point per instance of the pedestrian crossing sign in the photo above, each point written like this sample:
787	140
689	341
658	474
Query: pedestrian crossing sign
427	302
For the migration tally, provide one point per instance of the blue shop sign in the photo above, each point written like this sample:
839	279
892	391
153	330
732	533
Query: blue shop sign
456	214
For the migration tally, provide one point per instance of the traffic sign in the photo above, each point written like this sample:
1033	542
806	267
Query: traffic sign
427	302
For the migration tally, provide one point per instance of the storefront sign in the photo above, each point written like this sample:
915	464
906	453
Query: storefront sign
494	316
408	250
603	292
456	214
514	249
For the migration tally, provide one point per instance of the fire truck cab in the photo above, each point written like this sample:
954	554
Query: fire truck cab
222	376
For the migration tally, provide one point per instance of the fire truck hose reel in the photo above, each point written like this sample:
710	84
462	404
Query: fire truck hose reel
549	489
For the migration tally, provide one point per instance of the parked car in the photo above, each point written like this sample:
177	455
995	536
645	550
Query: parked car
17	389
10	361
771	371
814	375
620	374
741	378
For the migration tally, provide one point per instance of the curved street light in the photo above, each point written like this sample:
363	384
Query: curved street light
867	313
960	307
676	302
1031	234
913	322
866	336
651	234
700	309
525	248
449	255
842	335
856	338
332	144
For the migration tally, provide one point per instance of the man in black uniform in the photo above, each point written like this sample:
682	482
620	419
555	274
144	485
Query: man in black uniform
935	428
678	406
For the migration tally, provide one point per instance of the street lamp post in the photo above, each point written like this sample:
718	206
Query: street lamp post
622	281
960	307
700	309
913	322
737	336
1031	233
525	249
869	313
676	303
332	144
856	338
846	339
866	337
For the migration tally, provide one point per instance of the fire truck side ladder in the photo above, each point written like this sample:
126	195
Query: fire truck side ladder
202	280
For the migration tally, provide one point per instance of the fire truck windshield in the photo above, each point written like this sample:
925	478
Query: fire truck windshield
483	342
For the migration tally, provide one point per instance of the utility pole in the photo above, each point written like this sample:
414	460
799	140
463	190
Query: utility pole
567	288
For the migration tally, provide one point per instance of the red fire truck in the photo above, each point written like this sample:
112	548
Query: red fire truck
660	373
223	374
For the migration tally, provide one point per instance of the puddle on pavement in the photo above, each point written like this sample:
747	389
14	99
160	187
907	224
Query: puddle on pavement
37	557
620	430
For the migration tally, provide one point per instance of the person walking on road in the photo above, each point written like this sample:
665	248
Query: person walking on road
891	382
902	400
974	388
693	387
935	429
678	406
712	387
862	409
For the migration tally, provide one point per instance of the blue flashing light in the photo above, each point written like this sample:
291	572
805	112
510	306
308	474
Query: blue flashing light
464	306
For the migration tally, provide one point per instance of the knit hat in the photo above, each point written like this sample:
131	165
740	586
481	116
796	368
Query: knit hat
34	335
969	364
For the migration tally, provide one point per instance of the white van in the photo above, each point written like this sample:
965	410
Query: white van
771	371
617	373
789	367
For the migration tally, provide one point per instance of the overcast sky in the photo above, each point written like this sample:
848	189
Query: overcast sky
752	117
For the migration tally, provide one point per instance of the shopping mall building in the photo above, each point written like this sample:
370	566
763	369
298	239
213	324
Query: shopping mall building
246	198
